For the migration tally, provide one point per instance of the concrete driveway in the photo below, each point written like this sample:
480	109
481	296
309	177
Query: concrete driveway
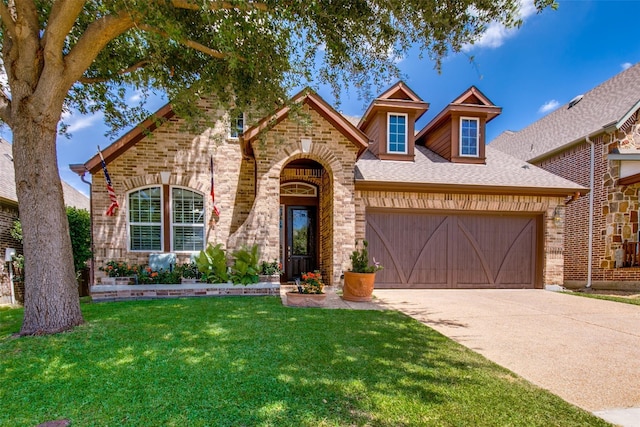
584	350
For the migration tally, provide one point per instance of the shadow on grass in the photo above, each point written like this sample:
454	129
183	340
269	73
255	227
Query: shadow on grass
250	361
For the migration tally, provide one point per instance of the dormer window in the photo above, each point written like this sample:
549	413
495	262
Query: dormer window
236	126
469	136
396	133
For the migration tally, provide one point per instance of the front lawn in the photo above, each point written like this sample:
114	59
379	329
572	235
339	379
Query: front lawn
249	361
631	298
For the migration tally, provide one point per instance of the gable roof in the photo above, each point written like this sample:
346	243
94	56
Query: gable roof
502	174
72	197
131	138
315	101
399	97
605	107
471	100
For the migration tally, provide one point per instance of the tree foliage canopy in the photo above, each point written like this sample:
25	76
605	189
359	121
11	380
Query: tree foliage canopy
241	52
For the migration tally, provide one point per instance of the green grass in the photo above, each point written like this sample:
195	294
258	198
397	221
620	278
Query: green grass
249	361
632	301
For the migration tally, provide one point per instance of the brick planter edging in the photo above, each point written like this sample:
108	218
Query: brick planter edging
135	292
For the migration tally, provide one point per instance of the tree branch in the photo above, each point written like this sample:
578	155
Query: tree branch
63	15
5	109
132	68
189	43
97	35
7	19
218	5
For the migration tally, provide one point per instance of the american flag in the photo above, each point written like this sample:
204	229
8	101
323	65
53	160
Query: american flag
111	210
216	211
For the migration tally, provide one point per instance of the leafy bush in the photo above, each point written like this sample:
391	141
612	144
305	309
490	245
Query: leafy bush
80	232
188	270
270	268
17	262
165	277
120	269
245	269
360	260
212	264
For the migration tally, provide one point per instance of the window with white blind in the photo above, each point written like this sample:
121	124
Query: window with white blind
187	220
145	219
182	225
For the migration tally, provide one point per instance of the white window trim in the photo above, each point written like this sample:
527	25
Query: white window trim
204	219
150	223
406	133
244	121
477	120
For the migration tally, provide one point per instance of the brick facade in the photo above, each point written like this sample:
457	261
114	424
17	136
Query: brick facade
615	209
552	270
247	190
8	214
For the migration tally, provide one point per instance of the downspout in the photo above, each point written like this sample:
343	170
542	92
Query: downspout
81	171
591	199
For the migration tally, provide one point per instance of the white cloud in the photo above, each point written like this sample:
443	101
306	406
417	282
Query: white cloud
549	106
136	97
626	65
496	33
76	123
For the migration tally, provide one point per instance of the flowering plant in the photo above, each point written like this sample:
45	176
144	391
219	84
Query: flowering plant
119	269
360	260
311	283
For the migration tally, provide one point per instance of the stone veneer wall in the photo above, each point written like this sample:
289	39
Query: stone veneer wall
280	145
615	209
8	214
553	233
186	155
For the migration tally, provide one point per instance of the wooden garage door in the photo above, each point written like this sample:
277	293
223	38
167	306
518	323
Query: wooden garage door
421	250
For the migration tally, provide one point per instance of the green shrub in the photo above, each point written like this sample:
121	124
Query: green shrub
212	264
245	269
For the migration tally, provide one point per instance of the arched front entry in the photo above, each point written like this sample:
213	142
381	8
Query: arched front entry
303	219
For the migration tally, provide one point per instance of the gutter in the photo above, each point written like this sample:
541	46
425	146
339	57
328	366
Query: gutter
592	153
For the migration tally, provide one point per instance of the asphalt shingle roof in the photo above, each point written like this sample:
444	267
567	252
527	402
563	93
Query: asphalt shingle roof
72	197
602	106
500	170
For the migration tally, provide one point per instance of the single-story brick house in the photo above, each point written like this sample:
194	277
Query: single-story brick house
438	208
594	141
9	213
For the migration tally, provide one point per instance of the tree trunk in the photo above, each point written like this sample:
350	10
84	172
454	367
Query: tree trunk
51	302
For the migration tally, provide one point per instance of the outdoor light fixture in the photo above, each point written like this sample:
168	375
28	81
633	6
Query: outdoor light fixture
557	218
164	177
306	145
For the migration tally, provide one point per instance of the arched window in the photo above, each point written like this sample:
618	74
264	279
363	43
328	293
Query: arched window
298	189
152	229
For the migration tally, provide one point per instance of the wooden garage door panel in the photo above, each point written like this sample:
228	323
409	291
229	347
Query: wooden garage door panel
411	247
494	251
460	251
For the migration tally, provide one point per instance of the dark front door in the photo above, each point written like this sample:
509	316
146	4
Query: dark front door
300	255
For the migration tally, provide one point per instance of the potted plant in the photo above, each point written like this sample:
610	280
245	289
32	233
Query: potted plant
309	292
359	281
270	271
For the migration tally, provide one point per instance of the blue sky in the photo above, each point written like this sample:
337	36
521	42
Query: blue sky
553	57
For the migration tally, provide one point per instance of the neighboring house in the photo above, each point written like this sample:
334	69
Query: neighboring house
438	208
9	212
594	140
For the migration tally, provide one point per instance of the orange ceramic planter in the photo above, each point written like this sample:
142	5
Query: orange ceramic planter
358	286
